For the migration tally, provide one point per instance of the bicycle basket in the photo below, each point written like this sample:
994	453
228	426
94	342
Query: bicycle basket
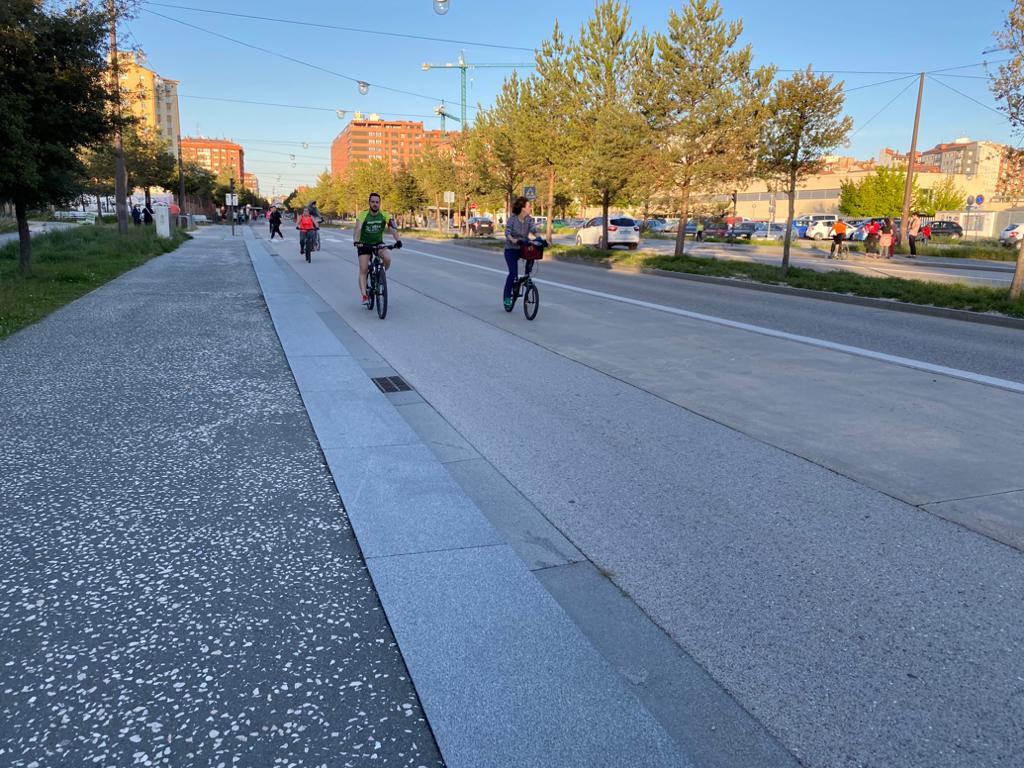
531	252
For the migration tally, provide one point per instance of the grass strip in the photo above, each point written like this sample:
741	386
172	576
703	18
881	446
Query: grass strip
69	263
949	295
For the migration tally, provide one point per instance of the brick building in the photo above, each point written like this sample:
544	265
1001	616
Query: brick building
252	183
398	142
215	155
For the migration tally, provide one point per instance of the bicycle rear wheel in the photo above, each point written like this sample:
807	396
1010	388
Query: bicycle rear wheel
382	293
531	301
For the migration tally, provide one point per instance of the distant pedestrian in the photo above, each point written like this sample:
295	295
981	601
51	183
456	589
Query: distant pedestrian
136	215
275	224
885	239
700	230
926	231
914	231
871	236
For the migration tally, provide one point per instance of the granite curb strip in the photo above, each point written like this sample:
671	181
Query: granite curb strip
914	309
505	677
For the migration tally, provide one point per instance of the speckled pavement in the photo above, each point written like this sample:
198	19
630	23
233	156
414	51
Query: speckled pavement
179	583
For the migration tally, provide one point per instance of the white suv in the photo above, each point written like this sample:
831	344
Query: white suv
820	225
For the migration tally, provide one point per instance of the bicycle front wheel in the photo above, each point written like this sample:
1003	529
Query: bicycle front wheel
531	301
382	294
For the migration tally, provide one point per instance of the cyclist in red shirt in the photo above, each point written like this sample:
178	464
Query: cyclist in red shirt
307	231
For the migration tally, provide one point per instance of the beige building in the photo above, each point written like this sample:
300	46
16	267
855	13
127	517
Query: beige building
151	98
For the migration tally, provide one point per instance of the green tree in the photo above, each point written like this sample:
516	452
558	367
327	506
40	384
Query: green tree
54	102
98	163
705	102
880	194
1007	85
199	181
363	178
149	160
944	196
607	137
437	171
497	148
803	126
408	196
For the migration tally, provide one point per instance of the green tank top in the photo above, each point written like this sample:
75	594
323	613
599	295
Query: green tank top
372	227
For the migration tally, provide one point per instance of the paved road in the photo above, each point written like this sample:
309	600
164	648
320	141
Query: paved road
179	583
781	509
974	272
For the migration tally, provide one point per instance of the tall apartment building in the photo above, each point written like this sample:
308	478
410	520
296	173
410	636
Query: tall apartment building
397	142
215	155
149	97
251	183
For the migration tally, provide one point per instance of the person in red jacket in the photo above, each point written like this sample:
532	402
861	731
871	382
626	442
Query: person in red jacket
307	233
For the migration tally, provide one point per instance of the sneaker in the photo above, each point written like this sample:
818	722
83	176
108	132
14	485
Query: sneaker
366	300
508	303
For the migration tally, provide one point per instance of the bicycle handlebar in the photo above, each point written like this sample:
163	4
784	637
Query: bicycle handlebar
397	244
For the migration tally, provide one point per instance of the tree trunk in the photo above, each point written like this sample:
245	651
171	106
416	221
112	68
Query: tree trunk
24	239
99	208
683	218
1018	273
605	201
149	199
551	201
791	194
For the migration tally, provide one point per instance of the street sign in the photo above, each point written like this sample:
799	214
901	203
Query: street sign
449	197
230	199
979	199
530	193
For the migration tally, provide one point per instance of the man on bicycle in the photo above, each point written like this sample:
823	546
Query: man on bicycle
370	226
838	234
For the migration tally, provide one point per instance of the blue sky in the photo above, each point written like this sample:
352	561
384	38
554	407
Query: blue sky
876	36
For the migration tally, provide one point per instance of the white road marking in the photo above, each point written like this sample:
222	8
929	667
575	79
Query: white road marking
906	362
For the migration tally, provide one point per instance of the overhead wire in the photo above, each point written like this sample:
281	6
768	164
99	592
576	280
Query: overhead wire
969	98
336	27
293	59
887	105
297	106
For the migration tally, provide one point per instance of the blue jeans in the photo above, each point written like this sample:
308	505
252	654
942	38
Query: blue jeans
512	261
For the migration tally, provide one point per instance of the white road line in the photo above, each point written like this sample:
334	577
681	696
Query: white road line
906	362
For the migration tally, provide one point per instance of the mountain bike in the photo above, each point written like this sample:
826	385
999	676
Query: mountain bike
530	252
309	241
377	280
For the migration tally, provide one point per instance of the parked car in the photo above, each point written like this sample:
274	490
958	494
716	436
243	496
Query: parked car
744	230
946	229
716	229
541	222
480	225
621	231
819	225
776	232
800	224
1011	235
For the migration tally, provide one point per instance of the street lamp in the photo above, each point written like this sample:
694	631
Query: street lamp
341	113
441	7
364	88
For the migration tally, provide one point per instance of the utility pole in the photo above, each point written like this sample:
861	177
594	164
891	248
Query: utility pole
909	185
231	203
120	172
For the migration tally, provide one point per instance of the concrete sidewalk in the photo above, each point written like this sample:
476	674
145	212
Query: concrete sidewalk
179	583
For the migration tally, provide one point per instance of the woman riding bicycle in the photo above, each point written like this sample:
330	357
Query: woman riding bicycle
518	230
307	232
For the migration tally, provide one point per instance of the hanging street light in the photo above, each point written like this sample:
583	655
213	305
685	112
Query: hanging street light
441	7
364	87
341	113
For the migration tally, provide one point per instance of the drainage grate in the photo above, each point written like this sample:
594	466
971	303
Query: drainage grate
390	384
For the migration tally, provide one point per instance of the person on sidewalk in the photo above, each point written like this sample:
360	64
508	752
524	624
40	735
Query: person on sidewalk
700	230
914	231
518	230
838	234
370	226
307	229
136	215
871	231
275	223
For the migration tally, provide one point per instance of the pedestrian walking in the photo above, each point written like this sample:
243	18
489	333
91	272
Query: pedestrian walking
914	231
136	215
275	224
700	230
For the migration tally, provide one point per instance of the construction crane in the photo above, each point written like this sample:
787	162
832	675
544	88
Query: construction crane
462	66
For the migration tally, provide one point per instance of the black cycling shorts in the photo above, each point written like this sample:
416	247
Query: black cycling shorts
837	239
365	250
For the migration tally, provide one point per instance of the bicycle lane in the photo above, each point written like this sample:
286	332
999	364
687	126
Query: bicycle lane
505	676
